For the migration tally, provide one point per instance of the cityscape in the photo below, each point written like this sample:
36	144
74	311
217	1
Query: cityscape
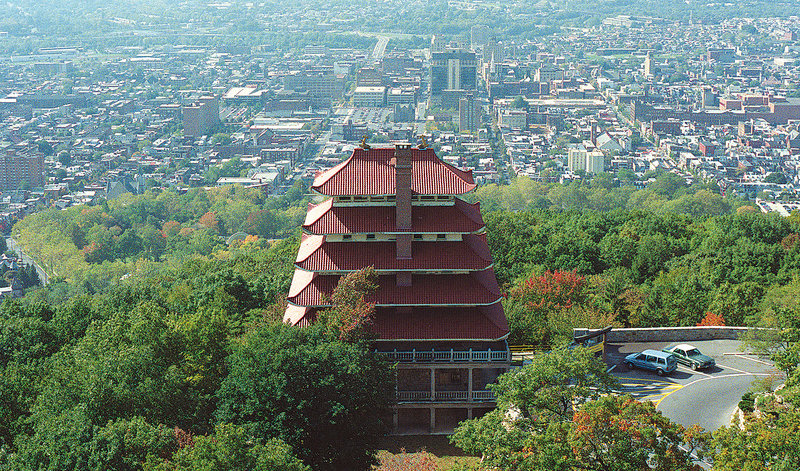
447	235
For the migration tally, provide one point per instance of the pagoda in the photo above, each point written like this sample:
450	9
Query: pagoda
437	307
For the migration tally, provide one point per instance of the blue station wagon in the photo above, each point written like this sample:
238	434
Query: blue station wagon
653	360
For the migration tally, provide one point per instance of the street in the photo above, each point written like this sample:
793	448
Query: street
12	245
708	398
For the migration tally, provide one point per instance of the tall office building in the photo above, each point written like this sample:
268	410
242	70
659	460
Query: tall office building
469	114
493	51
437	306
453	70
479	35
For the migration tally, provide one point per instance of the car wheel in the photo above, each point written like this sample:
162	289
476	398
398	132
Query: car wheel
629	365
694	366
660	372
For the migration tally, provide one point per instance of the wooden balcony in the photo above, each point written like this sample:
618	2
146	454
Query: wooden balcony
448	356
445	396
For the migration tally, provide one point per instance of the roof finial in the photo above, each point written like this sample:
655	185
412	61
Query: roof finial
424	143
364	144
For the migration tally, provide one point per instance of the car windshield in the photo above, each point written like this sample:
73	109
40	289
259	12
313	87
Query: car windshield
693	352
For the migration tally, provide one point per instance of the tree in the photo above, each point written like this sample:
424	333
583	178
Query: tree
619	433
532	301
531	399
230	448
350	316
323	397
554	414
769	442
711	319
519	103
65	158
776	177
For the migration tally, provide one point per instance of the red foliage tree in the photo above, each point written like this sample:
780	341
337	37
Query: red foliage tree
553	290
210	221
712	319
350	315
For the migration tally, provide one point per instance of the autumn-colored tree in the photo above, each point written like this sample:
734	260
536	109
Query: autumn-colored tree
553	290
170	228
619	433
210	221
532	302
350	315
712	319
422	461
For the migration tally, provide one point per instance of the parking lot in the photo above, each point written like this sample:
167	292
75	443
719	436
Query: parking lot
706	397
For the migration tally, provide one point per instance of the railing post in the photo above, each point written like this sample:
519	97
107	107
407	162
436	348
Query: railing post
451	355
490	355
469	384
413	355
470	355
433	384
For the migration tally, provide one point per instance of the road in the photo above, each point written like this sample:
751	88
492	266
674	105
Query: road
708	398
380	48
12	245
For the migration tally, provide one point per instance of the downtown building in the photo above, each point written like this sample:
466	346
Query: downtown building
437	306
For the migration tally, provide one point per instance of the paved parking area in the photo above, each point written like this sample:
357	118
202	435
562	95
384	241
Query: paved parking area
708	398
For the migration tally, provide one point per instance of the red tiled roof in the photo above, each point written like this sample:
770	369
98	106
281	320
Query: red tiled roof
325	218
473	323
423	323
477	288
316	254
370	172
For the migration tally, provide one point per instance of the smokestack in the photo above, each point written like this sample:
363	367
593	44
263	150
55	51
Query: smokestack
593	135
402	167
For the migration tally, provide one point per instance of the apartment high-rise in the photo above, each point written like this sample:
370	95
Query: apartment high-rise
21	167
201	116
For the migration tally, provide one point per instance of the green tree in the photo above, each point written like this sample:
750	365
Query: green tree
531	400
230	448
323	397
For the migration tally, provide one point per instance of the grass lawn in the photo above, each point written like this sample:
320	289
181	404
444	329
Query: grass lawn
436	447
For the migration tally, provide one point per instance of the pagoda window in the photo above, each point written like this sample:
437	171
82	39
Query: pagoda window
441	236
370	236
344	198
427	198
347	237
360	199
418	236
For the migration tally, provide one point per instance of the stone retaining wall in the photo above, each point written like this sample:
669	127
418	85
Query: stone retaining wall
670	334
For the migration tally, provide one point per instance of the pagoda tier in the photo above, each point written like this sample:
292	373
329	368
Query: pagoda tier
372	172
470	253
475	288
325	218
472	324
481	323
